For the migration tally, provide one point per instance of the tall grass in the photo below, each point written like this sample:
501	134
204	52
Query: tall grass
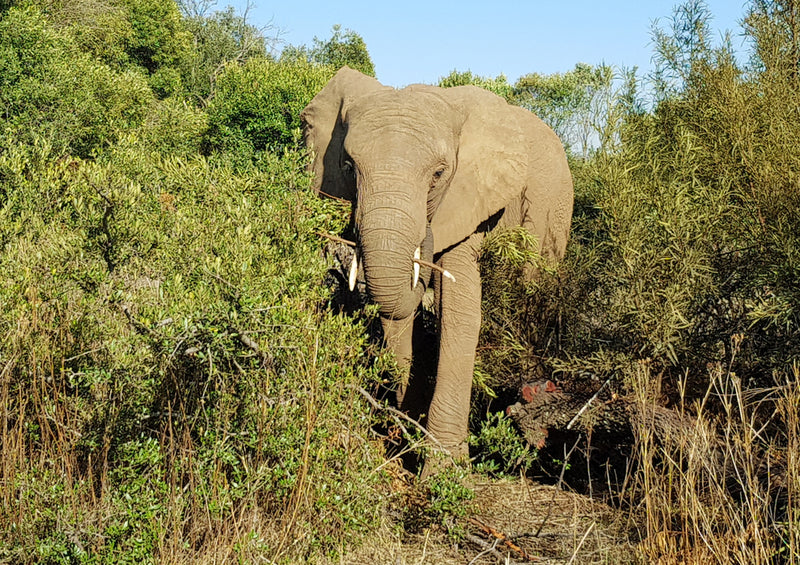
723	489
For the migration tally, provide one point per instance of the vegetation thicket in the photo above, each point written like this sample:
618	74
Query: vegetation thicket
176	386
680	284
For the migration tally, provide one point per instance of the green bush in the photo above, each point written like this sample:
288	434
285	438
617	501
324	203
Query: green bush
257	105
684	233
174	382
173	127
497	85
159	42
572	103
53	93
693	215
500	450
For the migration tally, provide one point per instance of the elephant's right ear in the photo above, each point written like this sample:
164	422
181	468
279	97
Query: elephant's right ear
324	131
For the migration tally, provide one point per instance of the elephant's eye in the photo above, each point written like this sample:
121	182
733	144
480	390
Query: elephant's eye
438	174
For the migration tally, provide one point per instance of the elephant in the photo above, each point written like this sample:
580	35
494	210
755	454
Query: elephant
429	172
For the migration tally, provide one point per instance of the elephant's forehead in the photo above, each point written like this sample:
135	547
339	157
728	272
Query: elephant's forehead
400	107
393	121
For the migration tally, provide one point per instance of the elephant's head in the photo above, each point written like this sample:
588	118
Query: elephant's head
425	167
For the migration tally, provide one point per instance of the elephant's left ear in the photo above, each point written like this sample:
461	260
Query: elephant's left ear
324	130
492	165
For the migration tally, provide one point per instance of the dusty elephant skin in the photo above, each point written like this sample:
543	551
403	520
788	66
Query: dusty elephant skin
429	171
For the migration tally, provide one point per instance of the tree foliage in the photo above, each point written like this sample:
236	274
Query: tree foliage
155	411
220	38
684	238
498	85
344	47
52	92
569	102
257	105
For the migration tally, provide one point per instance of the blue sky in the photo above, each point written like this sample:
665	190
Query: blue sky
420	41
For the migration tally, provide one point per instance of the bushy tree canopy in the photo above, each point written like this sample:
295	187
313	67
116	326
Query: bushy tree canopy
498	85
220	38
344	47
51	91
566	101
257	105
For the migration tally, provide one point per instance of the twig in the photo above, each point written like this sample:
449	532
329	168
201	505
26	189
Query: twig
236	293
580	544
435	267
397	414
337	239
248	342
585	406
486	547
139	326
428	264
500	536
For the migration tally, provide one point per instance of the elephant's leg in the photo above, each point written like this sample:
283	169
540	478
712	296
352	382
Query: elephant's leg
397	334
460	314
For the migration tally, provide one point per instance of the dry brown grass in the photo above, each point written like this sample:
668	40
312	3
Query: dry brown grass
547	523
726	490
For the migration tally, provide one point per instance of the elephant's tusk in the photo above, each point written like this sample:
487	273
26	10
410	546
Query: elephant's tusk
416	268
435	267
417	260
351	280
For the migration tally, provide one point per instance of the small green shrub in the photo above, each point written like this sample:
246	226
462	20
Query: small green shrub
499	449
173	127
519	314
449	497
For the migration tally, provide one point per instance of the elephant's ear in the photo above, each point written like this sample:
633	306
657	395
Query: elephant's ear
324	131
492	165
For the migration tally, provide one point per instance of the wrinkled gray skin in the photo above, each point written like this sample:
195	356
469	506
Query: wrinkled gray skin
435	168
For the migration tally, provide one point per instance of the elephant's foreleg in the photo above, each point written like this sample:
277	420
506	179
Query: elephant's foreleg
397	334
460	311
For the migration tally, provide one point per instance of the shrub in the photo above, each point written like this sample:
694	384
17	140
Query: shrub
53	93
679	286
174	127
497	85
158	43
500	450
257	105
174	384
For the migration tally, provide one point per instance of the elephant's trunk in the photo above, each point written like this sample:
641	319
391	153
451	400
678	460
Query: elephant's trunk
389	240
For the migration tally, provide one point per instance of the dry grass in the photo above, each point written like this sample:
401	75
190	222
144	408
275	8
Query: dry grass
545	523
726	491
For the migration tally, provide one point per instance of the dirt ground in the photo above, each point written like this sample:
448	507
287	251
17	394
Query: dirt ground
513	521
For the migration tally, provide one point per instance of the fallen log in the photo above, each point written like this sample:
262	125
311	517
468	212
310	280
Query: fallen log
545	407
